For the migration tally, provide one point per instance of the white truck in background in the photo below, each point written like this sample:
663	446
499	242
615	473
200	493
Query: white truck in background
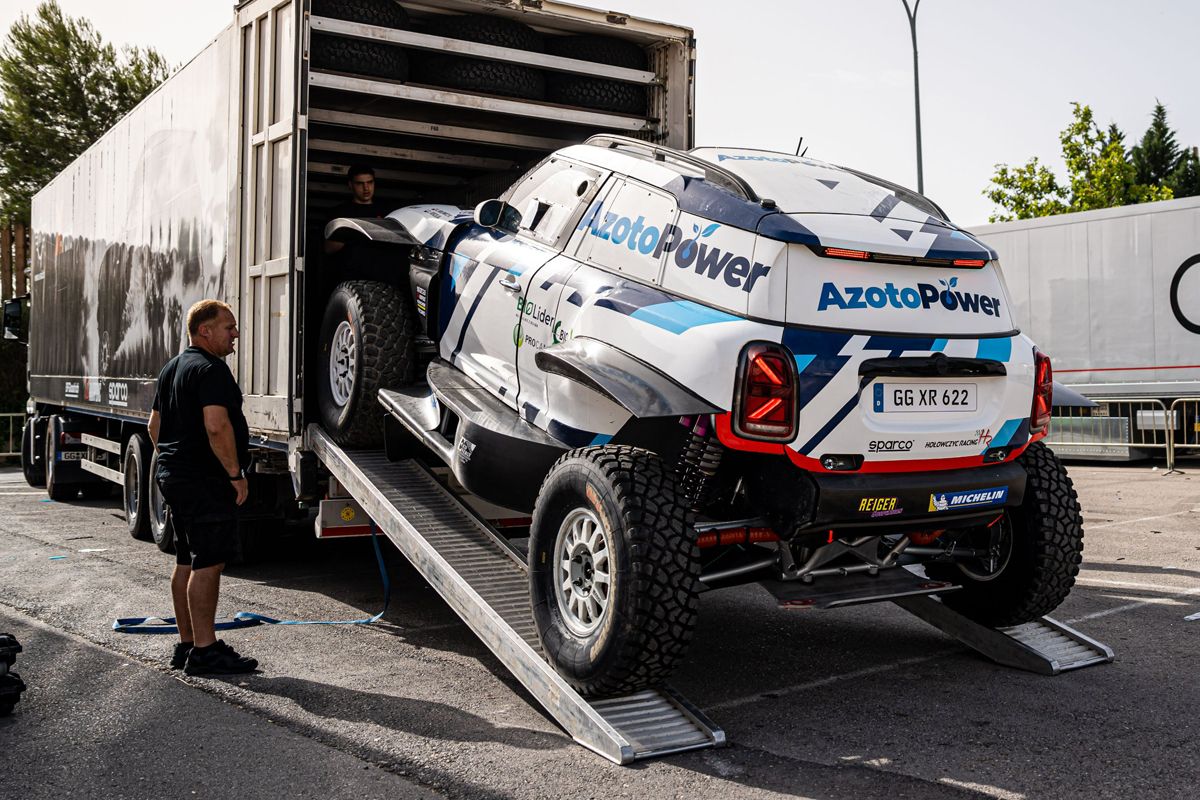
1114	298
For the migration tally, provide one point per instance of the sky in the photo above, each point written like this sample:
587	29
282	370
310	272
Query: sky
997	76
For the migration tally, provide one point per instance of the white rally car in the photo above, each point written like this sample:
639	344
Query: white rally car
709	368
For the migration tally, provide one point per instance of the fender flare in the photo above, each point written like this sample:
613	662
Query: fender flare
641	389
384	231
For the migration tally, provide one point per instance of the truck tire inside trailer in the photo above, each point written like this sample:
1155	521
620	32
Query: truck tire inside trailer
35	474
135	489
366	344
1034	551
384	13
162	532
613	570
476	75
598	93
359	56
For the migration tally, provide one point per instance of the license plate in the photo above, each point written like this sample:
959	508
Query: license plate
70	455
924	397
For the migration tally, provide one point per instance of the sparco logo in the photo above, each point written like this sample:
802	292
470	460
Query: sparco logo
925	295
890	446
689	252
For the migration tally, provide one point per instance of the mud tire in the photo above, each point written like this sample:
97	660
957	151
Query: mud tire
359	56
1047	549
382	327
597	93
654	565
384	13
478	75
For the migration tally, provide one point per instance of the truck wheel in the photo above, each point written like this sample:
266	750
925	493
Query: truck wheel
476	75
159	516
1035	553
35	474
56	488
613	570
366	345
359	56
135	489
598	93
384	13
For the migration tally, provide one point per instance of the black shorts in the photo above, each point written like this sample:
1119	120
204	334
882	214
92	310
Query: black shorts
204	515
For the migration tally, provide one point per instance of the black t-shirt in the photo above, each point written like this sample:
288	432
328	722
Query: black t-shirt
189	382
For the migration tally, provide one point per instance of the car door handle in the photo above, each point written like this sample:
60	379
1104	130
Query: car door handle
512	284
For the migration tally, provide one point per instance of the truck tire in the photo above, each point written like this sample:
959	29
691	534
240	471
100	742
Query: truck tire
1041	547
477	75
162	532
359	56
135	489
384	13
613	570
57	489
367	344
598	93
35	474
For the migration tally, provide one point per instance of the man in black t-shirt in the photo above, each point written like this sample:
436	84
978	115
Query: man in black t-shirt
203	443
361	180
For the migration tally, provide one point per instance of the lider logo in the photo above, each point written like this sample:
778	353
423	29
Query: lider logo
711	262
925	295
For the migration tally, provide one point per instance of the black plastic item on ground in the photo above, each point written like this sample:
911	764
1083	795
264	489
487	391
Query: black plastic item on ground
9	647
597	93
476	75
11	687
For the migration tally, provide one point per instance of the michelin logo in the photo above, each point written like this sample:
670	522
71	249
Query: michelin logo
925	295
978	498
689	251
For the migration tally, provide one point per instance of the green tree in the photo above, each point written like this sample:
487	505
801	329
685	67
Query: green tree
61	87
1157	155
1185	180
1099	175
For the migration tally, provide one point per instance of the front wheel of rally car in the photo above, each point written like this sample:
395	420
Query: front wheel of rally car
367	344
613	570
1029	558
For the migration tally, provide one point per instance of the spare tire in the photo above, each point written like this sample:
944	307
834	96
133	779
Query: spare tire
477	75
359	56
598	93
385	13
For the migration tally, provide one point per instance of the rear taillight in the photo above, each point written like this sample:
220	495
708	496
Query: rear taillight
765	406
1043	391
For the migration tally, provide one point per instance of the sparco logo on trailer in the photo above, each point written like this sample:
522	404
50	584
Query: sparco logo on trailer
711	262
925	295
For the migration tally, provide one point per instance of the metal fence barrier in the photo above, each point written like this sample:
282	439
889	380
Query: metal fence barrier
1118	428
10	434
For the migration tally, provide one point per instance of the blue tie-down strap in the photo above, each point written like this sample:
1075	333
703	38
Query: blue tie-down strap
246	619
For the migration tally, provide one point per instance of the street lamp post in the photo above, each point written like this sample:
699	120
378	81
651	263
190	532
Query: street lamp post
912	27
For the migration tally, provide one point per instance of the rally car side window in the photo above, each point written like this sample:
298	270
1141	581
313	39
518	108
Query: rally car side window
550	198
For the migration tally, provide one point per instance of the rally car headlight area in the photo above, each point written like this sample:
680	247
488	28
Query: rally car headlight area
764	408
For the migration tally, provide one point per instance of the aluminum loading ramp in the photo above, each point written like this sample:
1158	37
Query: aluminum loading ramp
485	582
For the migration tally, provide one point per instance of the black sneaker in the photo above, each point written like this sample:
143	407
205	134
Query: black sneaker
179	657
217	659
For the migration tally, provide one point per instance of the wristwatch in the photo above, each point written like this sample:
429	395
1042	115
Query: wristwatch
241	475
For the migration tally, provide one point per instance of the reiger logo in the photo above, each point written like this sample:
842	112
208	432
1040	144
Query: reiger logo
977	498
925	295
737	271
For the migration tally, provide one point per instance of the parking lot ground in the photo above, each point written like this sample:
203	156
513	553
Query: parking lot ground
863	702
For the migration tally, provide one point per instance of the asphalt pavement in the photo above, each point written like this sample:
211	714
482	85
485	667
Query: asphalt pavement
864	702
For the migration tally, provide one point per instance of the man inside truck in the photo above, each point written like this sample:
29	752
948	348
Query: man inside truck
203	443
361	205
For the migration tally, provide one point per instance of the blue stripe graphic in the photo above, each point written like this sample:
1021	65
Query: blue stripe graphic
680	315
939	345
1004	436
998	349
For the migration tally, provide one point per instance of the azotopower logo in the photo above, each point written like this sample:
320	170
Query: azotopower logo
737	271
924	295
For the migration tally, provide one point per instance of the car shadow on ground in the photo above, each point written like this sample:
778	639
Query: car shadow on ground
424	718
1143	569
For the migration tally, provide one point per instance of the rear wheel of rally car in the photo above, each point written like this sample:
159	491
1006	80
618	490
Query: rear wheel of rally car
613	570
158	515
35	474
135	489
367	344
1030	557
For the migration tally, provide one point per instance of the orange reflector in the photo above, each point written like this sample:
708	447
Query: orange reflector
841	252
922	538
969	262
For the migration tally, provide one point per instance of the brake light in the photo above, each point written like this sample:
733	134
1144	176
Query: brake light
841	252
969	262
1043	393
765	407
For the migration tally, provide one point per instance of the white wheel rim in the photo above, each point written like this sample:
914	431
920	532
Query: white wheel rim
582	571
343	363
